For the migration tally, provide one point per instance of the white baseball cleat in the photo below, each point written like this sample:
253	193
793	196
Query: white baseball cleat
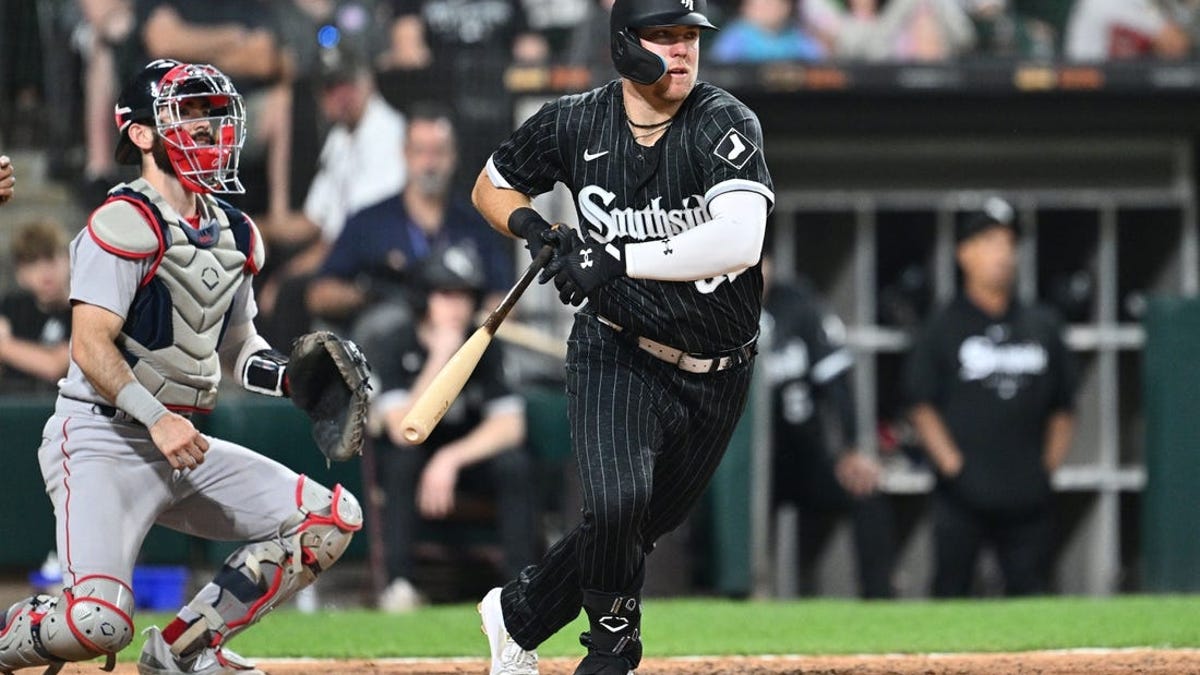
157	659
508	658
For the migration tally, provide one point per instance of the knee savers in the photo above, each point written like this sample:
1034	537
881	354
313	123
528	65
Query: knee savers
328	520
90	619
259	577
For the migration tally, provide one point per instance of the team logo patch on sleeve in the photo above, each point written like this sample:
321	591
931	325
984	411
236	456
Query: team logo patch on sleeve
735	149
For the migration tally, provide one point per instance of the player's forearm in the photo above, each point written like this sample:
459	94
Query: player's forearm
333	297
1060	431
731	242
496	204
495	434
40	361
101	362
934	435
167	35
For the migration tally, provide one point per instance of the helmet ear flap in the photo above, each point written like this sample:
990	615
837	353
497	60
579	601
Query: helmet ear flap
634	61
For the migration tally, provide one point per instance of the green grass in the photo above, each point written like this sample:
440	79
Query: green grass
703	627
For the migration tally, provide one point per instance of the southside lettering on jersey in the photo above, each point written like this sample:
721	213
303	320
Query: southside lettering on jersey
628	193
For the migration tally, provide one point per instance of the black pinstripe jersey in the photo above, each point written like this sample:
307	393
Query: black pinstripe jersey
628	193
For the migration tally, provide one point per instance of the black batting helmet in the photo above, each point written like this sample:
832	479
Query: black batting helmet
634	61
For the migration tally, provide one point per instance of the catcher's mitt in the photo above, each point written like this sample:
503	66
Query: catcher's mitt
327	378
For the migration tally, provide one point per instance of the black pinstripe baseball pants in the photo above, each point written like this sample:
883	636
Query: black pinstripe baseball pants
647	438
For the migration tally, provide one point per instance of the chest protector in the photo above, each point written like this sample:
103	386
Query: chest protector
183	304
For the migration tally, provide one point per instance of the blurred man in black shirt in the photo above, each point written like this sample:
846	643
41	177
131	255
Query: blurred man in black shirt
992	386
809	367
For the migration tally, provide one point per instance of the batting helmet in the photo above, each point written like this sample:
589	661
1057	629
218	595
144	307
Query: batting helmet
157	95
634	61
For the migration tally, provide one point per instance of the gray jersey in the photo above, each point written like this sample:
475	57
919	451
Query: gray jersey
177	286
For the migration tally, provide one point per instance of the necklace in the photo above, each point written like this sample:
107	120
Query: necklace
653	128
649	126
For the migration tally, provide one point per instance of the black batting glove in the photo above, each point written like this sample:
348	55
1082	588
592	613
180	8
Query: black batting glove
530	226
580	267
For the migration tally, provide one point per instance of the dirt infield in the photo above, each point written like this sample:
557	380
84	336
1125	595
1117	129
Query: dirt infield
1120	662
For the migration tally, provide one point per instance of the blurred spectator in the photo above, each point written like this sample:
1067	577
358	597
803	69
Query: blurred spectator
992	387
22	117
1123	29
241	38
360	165
765	30
35	322
809	370
371	259
590	44
317	25
1030	29
898	30
456	52
556	21
7	180
106	24
477	447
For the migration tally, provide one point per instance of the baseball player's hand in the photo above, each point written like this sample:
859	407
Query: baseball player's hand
179	441
7	181
435	494
579	267
857	473
530	226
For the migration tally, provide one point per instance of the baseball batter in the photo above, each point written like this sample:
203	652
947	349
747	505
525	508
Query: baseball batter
161	294
673	193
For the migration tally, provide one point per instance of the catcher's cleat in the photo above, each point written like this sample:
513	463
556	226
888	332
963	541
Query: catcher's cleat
508	658
158	659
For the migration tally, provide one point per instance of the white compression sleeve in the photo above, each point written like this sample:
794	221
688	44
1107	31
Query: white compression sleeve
730	242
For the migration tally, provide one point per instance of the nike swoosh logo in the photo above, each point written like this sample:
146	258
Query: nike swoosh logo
588	156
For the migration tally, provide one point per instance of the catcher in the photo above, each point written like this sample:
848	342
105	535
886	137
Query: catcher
161	299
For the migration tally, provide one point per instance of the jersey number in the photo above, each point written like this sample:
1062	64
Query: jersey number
707	286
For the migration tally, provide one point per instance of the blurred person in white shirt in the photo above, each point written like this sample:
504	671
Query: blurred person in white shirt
1120	29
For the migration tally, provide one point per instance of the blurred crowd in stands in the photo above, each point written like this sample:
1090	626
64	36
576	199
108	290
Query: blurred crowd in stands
62	58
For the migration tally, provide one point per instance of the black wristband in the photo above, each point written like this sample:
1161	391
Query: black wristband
524	219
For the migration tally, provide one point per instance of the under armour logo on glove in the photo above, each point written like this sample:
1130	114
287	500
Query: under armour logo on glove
577	269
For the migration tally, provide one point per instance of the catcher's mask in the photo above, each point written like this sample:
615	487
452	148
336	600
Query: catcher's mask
632	60
179	98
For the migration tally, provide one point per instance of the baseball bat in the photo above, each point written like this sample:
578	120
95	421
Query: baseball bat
433	403
525	336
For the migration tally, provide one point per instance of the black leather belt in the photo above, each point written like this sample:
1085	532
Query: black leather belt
692	363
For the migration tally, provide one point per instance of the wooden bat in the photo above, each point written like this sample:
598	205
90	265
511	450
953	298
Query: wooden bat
433	403
529	337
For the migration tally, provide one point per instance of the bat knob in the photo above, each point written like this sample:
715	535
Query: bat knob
412	435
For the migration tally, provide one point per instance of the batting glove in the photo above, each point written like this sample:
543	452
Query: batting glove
581	267
530	226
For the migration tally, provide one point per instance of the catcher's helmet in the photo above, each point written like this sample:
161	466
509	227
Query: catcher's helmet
634	61
156	96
